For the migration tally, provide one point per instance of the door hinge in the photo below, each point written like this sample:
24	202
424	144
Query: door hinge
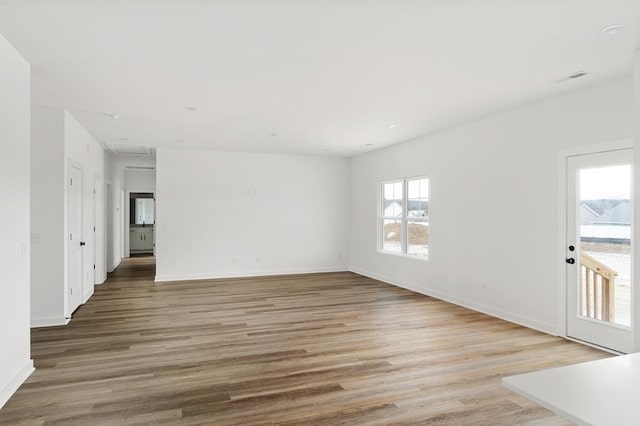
70	181
71	290
94	229
70	237
94	266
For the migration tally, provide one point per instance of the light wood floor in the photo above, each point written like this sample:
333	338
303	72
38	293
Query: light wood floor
328	349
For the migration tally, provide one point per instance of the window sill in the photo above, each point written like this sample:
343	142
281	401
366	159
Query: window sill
406	256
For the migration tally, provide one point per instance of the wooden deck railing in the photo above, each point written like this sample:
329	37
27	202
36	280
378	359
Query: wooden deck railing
597	298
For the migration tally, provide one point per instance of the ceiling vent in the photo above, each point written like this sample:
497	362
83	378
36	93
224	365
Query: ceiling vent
130	149
579	74
574	76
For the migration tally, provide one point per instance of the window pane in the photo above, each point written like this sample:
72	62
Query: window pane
605	284
391	230
418	237
392	199
418	201
413	188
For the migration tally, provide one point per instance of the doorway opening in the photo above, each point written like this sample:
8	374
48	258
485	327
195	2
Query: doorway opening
141	224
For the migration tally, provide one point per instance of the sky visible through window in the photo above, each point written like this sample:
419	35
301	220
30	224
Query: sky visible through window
613	182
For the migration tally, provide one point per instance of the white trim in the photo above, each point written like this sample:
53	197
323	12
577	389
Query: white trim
563	155
615	145
635	254
403	218
10	388
543	327
405	255
127	218
561	284
591	345
49	321
213	276
99	229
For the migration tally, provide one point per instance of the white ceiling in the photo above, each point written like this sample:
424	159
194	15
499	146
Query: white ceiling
323	77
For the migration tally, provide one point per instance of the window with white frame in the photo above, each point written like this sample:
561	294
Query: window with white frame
404	216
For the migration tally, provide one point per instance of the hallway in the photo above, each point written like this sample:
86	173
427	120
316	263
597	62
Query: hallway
137	268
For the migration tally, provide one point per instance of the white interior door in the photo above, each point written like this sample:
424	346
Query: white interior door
94	235
76	242
121	227
599	249
98	230
110	231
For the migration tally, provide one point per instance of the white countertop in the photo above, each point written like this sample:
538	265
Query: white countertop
603	392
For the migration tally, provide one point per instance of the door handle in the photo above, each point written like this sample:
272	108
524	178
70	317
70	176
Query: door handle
570	261
82	243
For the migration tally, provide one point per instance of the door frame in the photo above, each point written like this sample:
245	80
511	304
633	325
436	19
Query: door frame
99	234
126	208
562	288
109	222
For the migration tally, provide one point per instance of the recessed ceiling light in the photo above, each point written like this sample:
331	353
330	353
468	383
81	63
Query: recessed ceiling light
123	139
180	141
274	134
612	29
391	126
190	108
114	116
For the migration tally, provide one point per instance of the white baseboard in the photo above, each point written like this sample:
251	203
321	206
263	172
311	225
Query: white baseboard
10	388
49	322
478	307
213	276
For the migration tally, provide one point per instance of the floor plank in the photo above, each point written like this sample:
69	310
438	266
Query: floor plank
319	349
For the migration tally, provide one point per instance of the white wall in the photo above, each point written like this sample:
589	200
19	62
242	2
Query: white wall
225	214
114	175
143	180
15	362
59	139
47	216
493	203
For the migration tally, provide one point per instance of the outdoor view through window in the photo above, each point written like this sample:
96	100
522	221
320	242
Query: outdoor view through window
605	244
405	216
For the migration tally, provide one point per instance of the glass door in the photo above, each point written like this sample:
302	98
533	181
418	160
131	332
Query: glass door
598	252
